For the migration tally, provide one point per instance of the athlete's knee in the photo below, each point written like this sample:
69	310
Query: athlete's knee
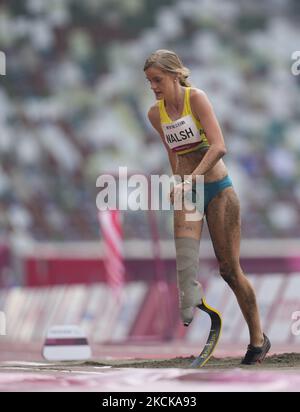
184	225
230	272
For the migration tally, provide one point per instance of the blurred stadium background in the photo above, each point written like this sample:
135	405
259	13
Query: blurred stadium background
73	105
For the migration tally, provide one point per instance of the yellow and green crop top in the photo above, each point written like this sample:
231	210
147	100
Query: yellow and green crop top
185	134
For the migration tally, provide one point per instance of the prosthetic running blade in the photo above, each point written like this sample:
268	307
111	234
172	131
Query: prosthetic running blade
214	335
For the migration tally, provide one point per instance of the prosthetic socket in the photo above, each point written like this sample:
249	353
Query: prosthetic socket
190	291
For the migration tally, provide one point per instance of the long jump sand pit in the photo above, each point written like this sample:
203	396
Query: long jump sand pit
274	362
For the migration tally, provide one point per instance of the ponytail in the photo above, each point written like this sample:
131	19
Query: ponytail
183	74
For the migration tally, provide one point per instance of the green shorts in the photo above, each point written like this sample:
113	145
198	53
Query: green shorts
211	190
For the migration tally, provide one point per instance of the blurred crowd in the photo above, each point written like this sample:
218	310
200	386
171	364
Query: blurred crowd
74	105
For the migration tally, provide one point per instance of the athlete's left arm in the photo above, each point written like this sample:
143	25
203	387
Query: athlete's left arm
203	110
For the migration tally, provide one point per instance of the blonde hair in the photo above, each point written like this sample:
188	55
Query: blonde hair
168	61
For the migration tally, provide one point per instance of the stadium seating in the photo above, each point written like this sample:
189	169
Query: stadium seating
74	104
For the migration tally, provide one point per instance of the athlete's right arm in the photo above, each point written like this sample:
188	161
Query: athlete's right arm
154	118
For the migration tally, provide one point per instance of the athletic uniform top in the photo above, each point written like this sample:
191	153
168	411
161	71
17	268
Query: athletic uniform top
185	134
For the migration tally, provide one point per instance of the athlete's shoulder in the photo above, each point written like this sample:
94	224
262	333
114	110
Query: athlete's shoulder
199	99
197	95
153	114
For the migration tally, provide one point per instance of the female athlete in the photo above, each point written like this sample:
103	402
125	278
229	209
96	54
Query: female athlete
185	120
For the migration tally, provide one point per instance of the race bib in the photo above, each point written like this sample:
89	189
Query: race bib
181	132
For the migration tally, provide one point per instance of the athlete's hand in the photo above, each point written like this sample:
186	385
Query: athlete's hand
179	191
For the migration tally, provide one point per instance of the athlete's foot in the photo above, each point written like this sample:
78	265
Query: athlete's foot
258	342
256	354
